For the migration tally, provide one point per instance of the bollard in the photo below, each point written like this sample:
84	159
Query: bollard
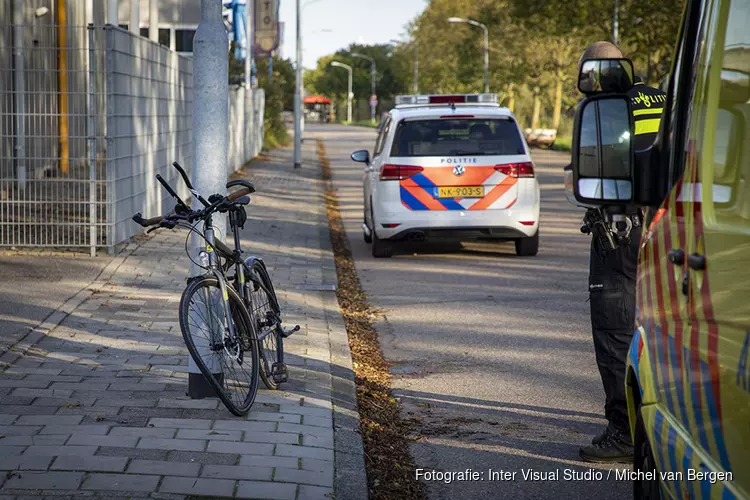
210	143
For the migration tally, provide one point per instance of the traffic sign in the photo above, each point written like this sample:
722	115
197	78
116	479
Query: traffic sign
266	27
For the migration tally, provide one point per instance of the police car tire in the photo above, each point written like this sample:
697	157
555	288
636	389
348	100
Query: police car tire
643	460
367	237
381	249
528	247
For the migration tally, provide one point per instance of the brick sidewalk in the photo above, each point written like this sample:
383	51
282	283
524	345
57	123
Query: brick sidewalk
96	406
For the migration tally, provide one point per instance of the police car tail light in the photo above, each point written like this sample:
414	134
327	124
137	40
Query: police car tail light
398	172
517	170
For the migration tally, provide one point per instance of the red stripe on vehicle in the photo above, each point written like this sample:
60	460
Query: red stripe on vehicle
494	194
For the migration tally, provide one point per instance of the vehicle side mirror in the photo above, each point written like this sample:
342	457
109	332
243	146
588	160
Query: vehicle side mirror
602	162
605	76
361	156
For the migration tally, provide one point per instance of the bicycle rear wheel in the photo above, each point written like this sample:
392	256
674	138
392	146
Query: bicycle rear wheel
229	363
266	313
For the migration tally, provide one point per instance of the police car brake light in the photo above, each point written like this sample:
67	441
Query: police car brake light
398	172
516	170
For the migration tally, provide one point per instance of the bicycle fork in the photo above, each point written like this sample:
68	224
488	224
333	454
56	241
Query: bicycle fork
216	270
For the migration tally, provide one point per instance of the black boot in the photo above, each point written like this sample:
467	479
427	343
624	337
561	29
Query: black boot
600	437
614	447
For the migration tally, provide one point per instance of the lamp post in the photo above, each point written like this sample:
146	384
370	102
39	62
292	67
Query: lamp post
486	46
349	93
373	73
298	88
416	64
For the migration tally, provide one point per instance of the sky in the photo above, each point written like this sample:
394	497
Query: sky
350	21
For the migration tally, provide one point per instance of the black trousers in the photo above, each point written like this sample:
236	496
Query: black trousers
612	283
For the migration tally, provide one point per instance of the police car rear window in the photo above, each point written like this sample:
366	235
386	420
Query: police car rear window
463	136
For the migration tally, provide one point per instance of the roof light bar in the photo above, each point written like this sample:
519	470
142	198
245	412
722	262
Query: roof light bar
414	100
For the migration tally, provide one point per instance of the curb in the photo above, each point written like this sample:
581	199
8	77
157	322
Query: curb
22	345
350	476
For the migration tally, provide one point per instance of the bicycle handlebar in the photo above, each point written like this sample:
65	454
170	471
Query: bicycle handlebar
138	218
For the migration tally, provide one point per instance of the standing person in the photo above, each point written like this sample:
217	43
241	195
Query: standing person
612	284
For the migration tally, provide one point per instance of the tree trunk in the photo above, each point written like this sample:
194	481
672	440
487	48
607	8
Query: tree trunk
558	103
537	110
511	98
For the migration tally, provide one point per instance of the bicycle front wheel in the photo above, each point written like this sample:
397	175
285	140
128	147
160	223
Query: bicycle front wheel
266	313
228	362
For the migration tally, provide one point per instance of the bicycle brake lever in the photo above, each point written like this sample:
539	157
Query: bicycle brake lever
152	229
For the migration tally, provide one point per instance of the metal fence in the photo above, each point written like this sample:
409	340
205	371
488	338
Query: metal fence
88	116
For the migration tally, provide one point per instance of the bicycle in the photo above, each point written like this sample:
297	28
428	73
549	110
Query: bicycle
238	321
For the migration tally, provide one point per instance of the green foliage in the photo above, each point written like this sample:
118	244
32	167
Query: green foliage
534	50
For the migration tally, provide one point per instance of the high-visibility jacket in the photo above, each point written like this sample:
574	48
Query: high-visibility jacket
647	104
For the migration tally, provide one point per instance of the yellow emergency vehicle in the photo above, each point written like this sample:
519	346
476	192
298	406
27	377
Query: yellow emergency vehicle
688	372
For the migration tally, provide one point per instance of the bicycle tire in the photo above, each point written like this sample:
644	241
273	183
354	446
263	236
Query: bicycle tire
236	387
266	313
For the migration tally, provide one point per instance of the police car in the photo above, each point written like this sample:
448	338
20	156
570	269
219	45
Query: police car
449	166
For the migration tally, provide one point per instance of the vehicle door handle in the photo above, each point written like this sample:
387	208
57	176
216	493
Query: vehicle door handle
697	262
676	256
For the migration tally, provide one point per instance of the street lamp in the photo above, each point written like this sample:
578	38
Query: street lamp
486	46
373	72
298	88
416	64
349	94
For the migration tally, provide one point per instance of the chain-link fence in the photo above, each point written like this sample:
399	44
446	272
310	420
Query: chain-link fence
88	116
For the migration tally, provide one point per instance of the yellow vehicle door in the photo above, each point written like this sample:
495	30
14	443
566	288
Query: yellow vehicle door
718	252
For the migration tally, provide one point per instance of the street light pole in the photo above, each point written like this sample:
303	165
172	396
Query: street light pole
373	73
486	46
298	93
615	25
349	94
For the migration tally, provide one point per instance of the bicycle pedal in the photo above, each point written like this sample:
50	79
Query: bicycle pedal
288	333
279	373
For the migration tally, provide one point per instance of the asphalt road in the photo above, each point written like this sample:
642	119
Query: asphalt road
492	352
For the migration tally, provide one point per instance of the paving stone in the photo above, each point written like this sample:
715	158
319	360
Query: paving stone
312	464
22	462
43	440
111	451
286	450
271	437
203	457
164	468
120	482
269	491
94	429
240	448
307	492
306	429
325	422
181	423
83	439
303	477
219	435
145	432
49	420
273	417
172	444
53	451
260	461
198	404
19	430
200	486
244	425
318	441
28	410
305	410
238	472
90	463
44	481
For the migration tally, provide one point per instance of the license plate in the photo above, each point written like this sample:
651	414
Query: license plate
461	192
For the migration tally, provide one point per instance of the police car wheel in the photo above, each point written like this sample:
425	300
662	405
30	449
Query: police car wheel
528	247
381	249
646	488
